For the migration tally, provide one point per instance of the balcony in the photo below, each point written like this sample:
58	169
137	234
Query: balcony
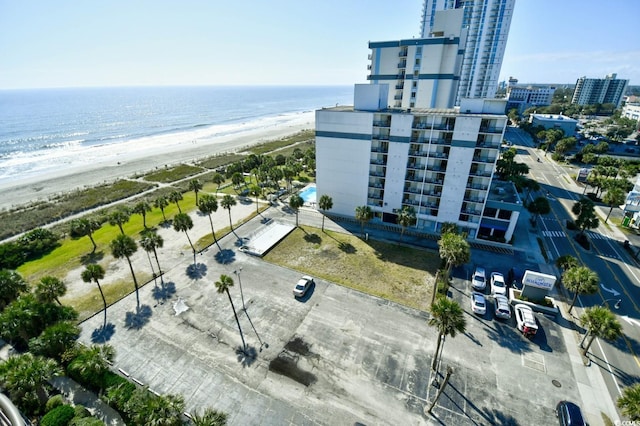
380	149
414	178
384	123
479	187
397	97
490	129
380	137
482	173
378	161
416	166
443	155
374	203
403	53
441	141
402	64
418	153
400	86
375	196
484	159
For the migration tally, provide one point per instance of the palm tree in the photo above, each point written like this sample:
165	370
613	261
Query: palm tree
223	285
227	202
119	217
151	241
295	202
85	226
175	197
363	215
454	250
566	261
210	417
182	223
615	196
94	272
580	280
142	208
288	174
629	402
601	323
49	289
11	285
218	179
55	340
161	203
125	246
25	377
539	206
93	361
325	203
448	318
586	215
208	204
406	218
195	185
256	191
237	179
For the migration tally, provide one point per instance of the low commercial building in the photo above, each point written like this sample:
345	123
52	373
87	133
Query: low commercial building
554	121
523	97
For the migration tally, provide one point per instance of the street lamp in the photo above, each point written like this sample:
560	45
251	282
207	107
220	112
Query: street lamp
615	305
237	272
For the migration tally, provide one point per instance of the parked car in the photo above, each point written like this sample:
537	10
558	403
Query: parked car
525	320
302	286
503	310
479	280
478	303
498	285
569	414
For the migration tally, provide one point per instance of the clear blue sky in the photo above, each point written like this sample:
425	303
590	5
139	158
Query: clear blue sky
49	43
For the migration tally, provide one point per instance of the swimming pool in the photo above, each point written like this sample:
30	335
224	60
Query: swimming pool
308	194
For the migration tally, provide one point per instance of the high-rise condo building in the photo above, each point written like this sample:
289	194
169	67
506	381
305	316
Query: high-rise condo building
487	23
608	90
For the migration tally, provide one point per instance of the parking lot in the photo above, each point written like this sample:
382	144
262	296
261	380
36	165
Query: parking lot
336	356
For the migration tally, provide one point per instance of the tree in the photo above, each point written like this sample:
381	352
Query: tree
586	213
175	197
161	203
600	322
195	185
406	218
125	246
85	226
218	179
539	206
55	340
629	402
227	202
255	190
448	318
146	408
580	280
363	215
566	261
151	241
237	179
325	203
94	272
49	289
91	364
119	217
208	204
222	285
210	417
25	377
11	285
295	202
454	250
142	208
614	197
182	223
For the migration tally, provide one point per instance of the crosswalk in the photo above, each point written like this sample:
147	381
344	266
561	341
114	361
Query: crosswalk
562	234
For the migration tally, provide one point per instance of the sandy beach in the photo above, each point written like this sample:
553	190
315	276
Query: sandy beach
23	191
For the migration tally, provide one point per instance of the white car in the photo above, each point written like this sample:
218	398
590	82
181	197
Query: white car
302	286
478	303
479	280
498	285
525	320
503	310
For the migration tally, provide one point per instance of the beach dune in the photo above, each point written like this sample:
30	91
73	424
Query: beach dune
181	149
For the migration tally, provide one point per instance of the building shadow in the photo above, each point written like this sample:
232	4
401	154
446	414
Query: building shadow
196	271
103	334
137	320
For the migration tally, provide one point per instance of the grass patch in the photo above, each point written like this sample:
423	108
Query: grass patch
172	174
268	147
219	161
401	274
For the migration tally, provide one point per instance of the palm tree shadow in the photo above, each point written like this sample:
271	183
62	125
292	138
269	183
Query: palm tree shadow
347	247
240	241
225	256
94	257
137	320
247	357
312	238
164	292
103	333
196	271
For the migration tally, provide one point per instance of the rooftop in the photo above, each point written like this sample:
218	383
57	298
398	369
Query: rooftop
504	192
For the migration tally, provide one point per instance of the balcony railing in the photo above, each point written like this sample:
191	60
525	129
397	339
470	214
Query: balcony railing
418	153
490	129
384	123
402	64
483	159
381	149
400	86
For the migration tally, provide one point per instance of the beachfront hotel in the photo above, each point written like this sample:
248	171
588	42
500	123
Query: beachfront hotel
403	143
487	23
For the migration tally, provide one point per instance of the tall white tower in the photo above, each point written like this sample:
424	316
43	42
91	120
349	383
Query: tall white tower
488	23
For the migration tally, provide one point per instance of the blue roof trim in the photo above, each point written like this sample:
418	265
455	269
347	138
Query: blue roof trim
438	77
376	44
414	42
463	144
401	139
342	135
383	77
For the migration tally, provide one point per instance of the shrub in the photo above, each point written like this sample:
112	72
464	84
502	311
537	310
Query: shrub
59	416
54	402
81	411
86	421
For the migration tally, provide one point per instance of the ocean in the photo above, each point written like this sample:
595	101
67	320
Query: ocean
46	129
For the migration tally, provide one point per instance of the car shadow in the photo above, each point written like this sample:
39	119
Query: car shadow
308	294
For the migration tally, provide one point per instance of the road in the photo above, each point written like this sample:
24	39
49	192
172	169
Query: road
618	272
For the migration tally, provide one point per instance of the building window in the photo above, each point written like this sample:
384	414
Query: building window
504	214
490	212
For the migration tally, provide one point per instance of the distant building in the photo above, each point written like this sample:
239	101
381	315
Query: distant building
487	22
554	121
631	111
608	90
523	97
